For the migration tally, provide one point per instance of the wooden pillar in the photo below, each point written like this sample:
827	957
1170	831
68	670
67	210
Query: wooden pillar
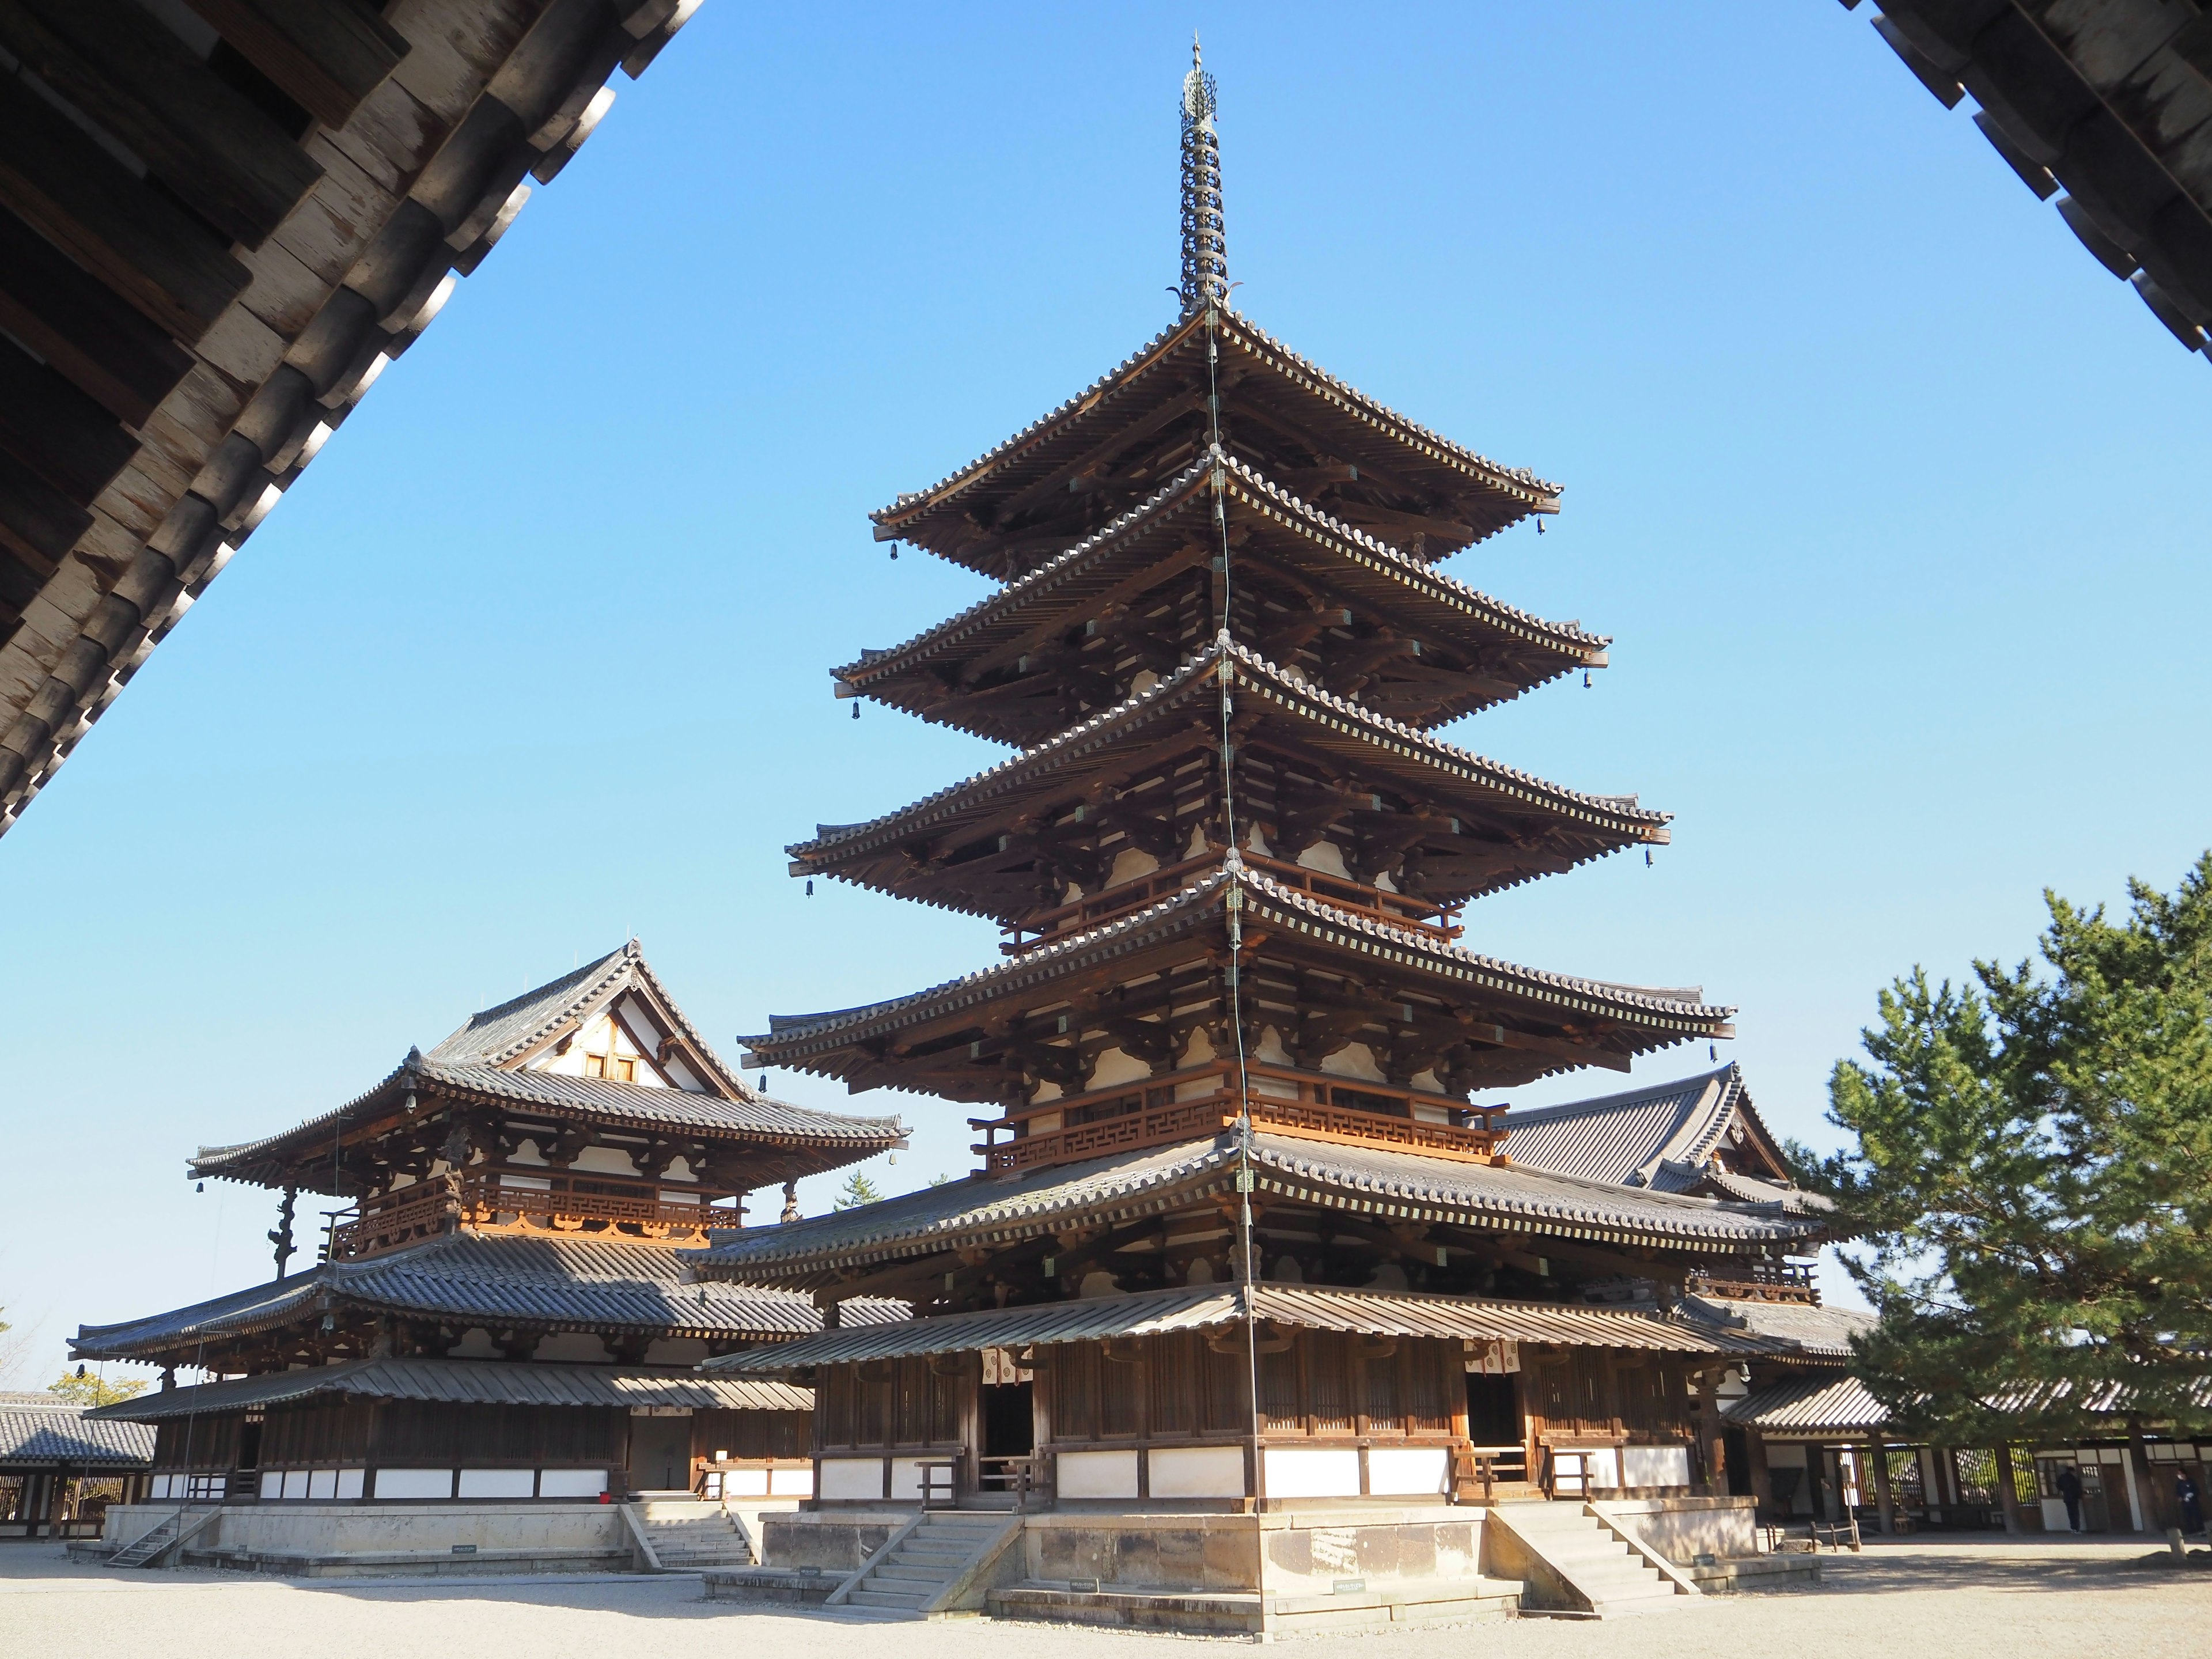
2007	1494
1710	1442
1877	1456
1761	1481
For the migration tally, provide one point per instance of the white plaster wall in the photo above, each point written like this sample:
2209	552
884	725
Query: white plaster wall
1407	1471
1196	1471
1099	1475
848	1478
1130	864
575	1348
1114	1066
603	1160
1325	857
1655	1466
1355	1059
676	1351
1312	1472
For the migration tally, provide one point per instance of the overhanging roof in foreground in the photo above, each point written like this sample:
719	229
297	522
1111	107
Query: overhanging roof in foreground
471	1382
1204	1307
216	236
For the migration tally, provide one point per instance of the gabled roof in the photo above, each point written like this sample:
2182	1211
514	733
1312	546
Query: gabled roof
470	1383
1639	1018
1141	394
1541	828
40	1432
1519	650
516	1030
1662	1136
995	1213
550	1284
484	1061
1370	1313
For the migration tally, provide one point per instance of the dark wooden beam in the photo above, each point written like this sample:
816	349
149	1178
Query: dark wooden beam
55	430
142	245
50	303
111	58
38	524
326	55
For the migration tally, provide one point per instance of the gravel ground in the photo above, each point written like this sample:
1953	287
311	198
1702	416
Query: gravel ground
1923	1598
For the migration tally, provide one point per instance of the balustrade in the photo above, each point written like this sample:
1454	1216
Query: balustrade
482	1199
1204	1100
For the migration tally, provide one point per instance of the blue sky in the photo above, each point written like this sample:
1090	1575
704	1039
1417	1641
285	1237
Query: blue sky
1893	501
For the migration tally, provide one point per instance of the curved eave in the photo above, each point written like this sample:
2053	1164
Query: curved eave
1638	1019
1518	492
274	1161
1425	767
1066	582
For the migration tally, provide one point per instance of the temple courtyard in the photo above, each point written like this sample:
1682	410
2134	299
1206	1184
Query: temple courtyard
1931	1596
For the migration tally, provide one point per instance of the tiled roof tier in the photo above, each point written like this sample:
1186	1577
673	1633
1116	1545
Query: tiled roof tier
1513	827
568	1283
1810	1404
471	1382
42	1431
1370	1313
1141	402
1151	544
1794	1328
754	1117
996	1213
1634	1020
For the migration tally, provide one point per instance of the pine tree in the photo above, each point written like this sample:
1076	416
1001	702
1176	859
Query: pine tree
2032	1166
857	1190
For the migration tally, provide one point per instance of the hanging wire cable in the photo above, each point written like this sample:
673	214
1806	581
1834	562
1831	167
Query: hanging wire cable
1206	282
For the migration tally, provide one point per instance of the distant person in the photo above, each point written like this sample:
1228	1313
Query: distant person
2192	1506
2069	1493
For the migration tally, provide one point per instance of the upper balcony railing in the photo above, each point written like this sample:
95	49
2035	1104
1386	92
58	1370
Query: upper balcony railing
1359	897
1756	1281
1203	1100
494	1201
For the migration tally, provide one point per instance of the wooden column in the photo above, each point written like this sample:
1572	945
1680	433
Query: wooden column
1713	1447
1761	1481
2007	1494
1878	1455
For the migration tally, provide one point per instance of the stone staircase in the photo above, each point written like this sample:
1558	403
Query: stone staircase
150	1548
918	1568
1611	1577
689	1534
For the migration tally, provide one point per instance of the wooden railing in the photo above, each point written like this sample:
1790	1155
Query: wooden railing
1756	1281
1356	896
479	1198
1310	1105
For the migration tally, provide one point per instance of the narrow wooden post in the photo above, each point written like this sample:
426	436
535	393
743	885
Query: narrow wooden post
2008	1494
1878	1455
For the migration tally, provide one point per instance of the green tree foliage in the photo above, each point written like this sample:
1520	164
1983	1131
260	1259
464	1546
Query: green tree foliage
2032	1168
857	1190
80	1388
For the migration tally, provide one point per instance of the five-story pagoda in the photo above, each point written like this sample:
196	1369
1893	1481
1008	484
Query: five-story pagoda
1229	856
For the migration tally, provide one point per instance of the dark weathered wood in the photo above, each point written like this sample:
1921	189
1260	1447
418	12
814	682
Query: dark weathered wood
111	58
327	55
38	523
143	246
49	303
55	430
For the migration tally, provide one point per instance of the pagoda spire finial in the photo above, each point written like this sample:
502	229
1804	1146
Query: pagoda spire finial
1205	255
